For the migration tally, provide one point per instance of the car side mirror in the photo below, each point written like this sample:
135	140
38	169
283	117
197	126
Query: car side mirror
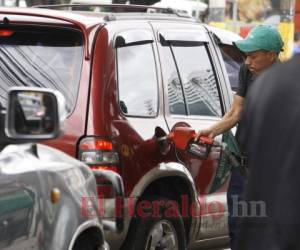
34	113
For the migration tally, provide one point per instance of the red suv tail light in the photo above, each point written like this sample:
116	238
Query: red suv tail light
99	154
6	33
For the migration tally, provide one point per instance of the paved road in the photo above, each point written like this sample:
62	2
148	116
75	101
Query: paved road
213	248
218	249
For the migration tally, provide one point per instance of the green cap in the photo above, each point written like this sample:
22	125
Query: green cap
262	37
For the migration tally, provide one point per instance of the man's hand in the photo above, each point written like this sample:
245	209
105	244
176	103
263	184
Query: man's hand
205	132
228	121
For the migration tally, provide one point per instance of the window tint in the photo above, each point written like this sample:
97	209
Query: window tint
198	79
233	60
50	58
138	93
175	94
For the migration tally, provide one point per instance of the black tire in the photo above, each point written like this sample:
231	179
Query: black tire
85	242
142	228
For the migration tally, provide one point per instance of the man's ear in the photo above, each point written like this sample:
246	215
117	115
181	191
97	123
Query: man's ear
273	56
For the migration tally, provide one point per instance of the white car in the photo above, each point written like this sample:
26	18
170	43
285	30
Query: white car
91	2
13	3
192	8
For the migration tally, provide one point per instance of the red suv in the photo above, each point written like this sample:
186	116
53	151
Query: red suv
128	79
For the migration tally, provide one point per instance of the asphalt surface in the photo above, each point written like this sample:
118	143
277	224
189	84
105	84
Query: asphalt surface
222	248
212	248
218	249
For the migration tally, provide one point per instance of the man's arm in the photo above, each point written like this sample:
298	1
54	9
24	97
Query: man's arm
229	120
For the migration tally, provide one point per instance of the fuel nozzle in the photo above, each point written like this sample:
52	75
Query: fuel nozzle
184	139
201	147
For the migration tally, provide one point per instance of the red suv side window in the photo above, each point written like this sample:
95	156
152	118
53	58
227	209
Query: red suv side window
198	79
138	91
195	87
233	60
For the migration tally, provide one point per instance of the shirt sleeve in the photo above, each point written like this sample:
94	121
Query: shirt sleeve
242	88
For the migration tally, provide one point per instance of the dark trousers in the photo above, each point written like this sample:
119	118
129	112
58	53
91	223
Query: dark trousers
234	195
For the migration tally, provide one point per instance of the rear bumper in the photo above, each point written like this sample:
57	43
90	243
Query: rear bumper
114	239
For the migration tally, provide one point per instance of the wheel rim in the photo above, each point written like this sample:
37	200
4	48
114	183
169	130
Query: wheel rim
162	236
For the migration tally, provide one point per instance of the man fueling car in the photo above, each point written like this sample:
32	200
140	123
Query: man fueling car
262	48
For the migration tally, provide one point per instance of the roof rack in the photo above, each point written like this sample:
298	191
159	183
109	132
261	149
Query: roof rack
118	8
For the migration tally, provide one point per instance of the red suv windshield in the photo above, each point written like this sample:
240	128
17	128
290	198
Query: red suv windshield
42	58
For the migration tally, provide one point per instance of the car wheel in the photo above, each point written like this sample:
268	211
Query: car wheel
86	242
157	231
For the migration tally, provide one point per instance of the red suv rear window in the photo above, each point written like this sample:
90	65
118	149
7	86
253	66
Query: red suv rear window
41	57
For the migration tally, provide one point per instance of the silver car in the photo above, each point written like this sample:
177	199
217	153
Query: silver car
48	200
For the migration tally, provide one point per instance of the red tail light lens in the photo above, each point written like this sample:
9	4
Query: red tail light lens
99	154
6	33
112	168
97	144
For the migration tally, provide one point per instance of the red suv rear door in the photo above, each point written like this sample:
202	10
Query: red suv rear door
126	102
